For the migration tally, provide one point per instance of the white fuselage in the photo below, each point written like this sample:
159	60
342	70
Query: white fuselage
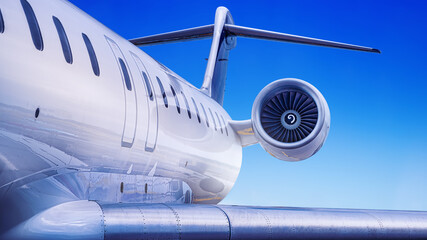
96	121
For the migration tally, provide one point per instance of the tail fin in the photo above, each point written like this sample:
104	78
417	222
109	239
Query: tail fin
222	43
223	34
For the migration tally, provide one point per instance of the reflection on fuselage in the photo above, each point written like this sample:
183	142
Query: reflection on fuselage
79	103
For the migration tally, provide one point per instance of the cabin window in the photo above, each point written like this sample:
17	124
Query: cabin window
219	123
216	129
186	105
206	116
92	55
1	23
225	125
37	113
197	110
66	49
176	100
33	24
125	74
147	84
165	99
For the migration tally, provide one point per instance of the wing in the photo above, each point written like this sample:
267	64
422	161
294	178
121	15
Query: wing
94	220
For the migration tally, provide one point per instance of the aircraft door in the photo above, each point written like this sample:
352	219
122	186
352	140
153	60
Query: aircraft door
151	110
129	127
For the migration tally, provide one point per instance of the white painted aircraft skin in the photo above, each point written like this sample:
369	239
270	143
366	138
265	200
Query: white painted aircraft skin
87	153
83	115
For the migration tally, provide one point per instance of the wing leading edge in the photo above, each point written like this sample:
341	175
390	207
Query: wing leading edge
189	221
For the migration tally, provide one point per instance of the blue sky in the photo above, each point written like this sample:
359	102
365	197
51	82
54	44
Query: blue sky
376	152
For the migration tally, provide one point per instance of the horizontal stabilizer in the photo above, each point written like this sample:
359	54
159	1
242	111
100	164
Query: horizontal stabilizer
175	36
224	33
284	37
230	29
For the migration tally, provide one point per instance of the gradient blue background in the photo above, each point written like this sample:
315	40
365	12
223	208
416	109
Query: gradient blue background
376	152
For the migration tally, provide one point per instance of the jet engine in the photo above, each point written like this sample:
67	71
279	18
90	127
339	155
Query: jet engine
290	119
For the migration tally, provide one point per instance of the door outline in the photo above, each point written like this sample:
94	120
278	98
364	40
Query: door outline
152	110
131	111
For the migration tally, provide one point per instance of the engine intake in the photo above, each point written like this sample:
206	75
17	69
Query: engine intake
290	119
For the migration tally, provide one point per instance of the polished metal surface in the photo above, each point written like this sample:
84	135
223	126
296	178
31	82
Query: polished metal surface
53	183
312	223
183	221
163	221
64	130
89	120
100	154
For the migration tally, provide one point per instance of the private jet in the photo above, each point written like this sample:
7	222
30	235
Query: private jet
98	140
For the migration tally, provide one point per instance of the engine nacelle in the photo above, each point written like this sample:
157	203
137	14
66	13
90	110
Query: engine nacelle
290	119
